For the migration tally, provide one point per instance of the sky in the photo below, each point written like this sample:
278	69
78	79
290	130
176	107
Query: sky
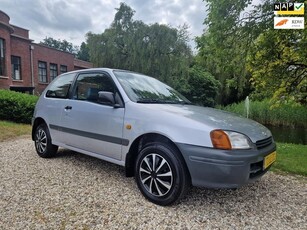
72	19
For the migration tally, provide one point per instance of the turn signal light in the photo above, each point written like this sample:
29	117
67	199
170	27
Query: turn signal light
220	139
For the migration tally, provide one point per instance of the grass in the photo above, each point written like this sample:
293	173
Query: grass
291	158
9	130
261	111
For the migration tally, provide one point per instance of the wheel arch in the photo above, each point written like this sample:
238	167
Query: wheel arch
36	123
143	140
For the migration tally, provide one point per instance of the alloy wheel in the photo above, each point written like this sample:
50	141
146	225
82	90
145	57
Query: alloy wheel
41	140
156	174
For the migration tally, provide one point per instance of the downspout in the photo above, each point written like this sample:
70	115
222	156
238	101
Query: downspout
32	73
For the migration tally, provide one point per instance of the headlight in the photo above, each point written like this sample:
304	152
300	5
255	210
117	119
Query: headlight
229	140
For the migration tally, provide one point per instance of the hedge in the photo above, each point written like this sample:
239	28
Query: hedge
17	107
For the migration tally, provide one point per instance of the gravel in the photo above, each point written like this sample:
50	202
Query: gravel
74	191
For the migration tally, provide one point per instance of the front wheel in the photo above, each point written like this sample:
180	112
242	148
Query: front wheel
42	140
161	174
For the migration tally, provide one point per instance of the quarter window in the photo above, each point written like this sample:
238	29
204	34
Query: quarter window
88	86
53	71
16	67
60	87
63	69
2	57
42	72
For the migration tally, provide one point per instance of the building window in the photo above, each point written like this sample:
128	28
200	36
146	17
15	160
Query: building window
53	71
16	67
42	71
63	69
2	57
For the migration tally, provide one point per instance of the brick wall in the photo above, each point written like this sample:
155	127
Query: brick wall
21	48
17	43
49	55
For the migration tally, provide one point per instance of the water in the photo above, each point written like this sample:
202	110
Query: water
289	135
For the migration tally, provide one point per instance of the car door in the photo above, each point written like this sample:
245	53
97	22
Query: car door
55	100
89	124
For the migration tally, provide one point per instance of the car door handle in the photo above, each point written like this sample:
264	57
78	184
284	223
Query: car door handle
68	107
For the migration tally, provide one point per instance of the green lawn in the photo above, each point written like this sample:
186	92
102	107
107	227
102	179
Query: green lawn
291	158
10	130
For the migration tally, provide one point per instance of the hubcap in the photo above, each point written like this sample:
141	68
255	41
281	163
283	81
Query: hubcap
156	175
41	141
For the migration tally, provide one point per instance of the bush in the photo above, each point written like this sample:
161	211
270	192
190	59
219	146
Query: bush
17	107
262	111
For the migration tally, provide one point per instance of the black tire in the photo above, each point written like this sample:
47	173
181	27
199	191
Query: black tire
166	182
42	141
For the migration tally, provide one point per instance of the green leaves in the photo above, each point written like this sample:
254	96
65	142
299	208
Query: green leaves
278	64
16	107
62	45
243	51
202	87
157	50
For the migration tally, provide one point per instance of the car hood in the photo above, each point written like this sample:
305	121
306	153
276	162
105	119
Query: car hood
214	118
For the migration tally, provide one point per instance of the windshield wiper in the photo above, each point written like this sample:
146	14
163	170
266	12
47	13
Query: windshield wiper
159	101
150	101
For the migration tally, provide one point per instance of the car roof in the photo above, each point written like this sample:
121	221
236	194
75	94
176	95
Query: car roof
97	69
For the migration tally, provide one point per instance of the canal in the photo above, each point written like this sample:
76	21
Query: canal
289	135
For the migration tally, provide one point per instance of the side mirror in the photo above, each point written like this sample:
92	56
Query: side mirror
107	98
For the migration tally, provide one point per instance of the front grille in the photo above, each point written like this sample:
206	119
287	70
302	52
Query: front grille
264	143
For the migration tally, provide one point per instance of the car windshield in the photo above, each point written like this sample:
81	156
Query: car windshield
144	89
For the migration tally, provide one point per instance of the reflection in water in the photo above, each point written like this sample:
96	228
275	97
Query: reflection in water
289	135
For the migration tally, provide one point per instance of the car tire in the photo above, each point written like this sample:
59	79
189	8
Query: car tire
42	141
161	174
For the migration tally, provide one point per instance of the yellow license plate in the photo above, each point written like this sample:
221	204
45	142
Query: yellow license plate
269	159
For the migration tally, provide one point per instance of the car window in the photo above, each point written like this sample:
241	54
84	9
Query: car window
89	84
59	88
145	89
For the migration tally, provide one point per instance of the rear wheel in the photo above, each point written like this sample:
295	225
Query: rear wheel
161	174
42	140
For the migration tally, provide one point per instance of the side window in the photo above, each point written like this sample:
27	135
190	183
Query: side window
88	85
59	88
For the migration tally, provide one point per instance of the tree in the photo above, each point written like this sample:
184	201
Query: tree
223	48
157	50
278	63
62	45
242	50
83	53
202	87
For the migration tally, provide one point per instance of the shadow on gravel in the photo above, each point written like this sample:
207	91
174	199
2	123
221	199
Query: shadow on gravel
88	162
227	199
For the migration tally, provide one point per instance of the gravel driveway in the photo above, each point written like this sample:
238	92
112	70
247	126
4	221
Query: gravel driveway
73	191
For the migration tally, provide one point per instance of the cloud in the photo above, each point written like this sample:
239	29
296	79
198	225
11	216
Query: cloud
71	20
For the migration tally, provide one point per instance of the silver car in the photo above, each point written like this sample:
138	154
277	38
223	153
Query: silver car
160	138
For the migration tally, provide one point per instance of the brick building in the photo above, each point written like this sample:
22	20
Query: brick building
25	65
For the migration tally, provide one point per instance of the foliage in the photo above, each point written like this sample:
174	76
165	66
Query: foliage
291	158
156	50
290	114
241	49
11	130
202	87
83	53
278	63
62	45
223	48
17	107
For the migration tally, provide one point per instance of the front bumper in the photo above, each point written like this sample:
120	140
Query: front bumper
216	168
